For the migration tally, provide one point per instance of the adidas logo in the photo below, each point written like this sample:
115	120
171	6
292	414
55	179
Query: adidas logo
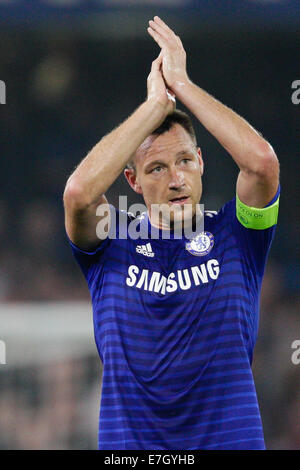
145	250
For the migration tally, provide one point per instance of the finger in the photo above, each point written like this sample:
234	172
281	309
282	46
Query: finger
160	61
155	68
157	37
162	24
166	28
158	29
155	65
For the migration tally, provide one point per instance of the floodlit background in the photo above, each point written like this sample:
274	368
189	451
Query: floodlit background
73	70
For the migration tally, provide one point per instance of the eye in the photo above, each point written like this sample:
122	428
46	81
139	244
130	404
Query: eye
157	169
186	160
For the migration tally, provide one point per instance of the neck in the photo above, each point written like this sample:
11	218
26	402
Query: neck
180	226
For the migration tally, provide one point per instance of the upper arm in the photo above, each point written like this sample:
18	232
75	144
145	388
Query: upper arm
256	189
82	218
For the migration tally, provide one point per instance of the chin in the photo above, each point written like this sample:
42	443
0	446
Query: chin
182	213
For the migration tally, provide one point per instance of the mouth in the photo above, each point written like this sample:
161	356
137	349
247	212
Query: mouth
179	200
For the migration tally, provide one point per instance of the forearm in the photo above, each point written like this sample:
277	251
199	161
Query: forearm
248	149
103	164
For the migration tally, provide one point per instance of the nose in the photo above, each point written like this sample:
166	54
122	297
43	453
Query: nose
176	179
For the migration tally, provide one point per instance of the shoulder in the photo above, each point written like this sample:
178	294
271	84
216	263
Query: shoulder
223	215
247	217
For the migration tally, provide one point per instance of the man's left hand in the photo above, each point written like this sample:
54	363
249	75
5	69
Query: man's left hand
172	51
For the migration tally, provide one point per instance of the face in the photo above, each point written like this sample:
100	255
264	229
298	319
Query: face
168	172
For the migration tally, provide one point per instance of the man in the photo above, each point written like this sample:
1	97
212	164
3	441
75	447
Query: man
176	319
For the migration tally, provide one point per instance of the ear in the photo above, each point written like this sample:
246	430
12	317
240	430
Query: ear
201	162
130	175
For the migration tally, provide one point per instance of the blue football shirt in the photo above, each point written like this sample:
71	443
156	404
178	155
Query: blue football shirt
175	326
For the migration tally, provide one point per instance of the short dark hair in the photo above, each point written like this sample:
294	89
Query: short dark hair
176	117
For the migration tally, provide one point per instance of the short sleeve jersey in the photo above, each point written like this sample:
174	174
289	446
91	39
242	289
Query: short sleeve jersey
175	323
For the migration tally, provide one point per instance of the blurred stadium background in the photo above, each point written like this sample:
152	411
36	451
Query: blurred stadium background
74	70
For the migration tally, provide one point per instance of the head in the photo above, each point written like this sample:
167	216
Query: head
167	169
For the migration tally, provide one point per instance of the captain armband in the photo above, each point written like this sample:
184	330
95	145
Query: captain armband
257	218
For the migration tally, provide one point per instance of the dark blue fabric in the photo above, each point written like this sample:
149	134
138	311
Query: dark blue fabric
176	332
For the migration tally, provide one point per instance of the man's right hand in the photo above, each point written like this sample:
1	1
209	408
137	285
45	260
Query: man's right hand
157	90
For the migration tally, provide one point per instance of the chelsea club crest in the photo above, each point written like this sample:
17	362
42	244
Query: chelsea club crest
201	244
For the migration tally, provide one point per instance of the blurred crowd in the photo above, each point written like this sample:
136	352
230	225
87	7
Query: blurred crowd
64	92
53	407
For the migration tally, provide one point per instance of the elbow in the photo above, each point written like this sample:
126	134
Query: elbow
75	196
267	162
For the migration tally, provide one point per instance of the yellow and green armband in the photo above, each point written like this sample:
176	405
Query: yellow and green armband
257	218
